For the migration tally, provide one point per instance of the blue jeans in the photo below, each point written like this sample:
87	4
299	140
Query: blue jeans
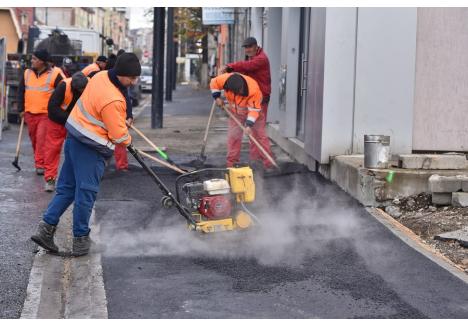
78	182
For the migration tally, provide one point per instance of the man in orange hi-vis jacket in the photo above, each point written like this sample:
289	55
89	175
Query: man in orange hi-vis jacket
34	92
95	125
245	99
96	67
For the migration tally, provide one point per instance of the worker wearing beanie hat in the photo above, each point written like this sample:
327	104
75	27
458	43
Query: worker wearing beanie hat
92	69
96	124
42	55
34	91
127	65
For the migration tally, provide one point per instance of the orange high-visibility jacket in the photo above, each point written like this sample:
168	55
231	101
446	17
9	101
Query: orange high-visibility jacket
250	105
60	71
68	96
98	117
90	68
37	90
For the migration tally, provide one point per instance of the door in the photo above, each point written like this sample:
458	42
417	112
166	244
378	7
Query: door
303	72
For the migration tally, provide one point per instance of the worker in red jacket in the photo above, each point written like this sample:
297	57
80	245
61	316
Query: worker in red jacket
256	66
244	97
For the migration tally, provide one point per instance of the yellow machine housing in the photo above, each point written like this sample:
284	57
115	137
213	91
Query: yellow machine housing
243	187
242	184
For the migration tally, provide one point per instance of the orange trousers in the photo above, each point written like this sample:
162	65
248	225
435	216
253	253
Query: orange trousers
37	129
56	134
235	134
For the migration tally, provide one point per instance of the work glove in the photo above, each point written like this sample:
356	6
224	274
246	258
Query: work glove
219	102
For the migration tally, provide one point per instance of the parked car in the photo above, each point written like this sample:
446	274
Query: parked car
135	93
146	78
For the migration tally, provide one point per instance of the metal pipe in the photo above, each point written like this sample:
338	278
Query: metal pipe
157	91
169	52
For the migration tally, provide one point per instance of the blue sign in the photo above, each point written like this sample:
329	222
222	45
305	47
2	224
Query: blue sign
217	16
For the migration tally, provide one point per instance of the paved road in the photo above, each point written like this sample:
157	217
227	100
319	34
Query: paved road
22	199
316	254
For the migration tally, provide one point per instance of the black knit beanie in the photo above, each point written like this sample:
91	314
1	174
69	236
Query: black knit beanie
127	64
102	58
42	54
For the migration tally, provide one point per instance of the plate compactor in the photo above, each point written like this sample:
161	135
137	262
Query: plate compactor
212	199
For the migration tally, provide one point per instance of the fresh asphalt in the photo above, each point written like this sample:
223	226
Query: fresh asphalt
339	263
315	254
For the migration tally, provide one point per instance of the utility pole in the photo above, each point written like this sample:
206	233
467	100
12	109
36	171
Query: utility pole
170	53
157	91
176	54
204	70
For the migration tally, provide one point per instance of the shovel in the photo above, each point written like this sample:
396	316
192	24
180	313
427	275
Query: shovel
156	148
15	162
200	161
252	138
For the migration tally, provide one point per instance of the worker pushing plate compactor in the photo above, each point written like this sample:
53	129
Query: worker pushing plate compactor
212	199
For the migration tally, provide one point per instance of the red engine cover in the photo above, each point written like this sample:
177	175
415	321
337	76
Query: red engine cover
215	207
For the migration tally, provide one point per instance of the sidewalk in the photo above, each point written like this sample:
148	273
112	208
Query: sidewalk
22	200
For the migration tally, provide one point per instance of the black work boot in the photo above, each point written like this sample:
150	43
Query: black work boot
45	236
81	245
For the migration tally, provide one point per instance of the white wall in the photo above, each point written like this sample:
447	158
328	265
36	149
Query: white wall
272	47
385	70
338	92
256	24
290	58
441	95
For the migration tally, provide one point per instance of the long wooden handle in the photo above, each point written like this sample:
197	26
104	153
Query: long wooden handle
170	166
252	138
19	137
209	122
145	138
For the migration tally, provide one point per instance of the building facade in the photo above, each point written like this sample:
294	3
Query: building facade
110	22
10	29
341	73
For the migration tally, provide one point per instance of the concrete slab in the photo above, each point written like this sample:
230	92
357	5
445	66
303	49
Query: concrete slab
439	183
370	187
442	198
460	199
464	182
460	235
432	161
65	287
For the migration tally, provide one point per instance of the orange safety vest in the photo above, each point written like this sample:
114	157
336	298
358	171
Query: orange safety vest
249	105
90	68
37	90
98	117
68	96
60	71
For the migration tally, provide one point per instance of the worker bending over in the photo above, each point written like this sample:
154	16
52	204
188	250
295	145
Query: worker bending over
244	97
256	66
95	125
61	103
34	92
